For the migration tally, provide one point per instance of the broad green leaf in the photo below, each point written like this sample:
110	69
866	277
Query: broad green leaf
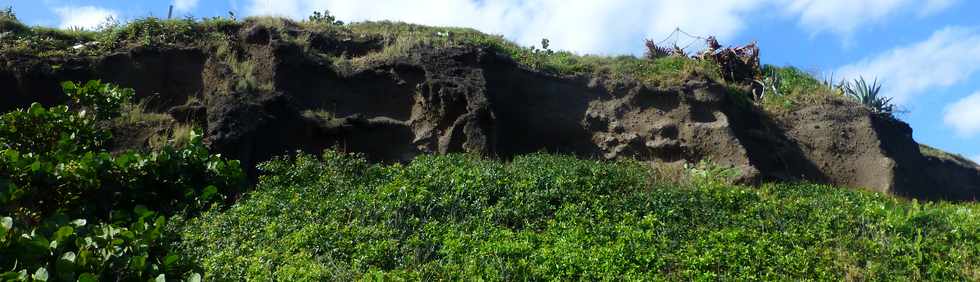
6	224
11	154
142	211
63	233
169	260
88	277
161	278
69	256
36	109
65	267
194	277
79	222
209	192
41	274
138	263
12	276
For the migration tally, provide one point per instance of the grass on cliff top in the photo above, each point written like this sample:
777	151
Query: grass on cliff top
399	40
403	37
544	217
929	151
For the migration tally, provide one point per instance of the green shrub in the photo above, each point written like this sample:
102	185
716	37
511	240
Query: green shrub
54	167
324	18
543	217
103	100
66	250
50	131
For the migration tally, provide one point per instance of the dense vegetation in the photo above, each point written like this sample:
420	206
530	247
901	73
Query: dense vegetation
544	217
71	210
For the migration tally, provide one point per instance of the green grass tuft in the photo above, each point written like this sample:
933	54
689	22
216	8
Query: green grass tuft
796	88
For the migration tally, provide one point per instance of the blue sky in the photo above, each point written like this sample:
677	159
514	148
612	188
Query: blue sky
926	52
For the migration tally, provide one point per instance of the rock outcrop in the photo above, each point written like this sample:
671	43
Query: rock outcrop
469	99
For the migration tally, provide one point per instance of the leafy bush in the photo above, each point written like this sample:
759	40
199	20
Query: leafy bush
868	95
49	131
65	250
54	167
102	99
324	18
543	217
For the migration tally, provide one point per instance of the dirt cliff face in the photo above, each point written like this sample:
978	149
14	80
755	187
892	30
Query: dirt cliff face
471	99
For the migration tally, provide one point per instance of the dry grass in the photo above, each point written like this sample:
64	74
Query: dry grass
137	113
177	136
673	172
399	48
273	23
318	115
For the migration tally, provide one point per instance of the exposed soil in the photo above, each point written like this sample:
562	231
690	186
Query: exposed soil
468	99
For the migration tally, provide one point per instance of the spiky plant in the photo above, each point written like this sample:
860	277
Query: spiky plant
770	82
837	86
868	95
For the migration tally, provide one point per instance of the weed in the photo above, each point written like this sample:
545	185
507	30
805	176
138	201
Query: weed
246	80
135	112
708	173
794	87
342	64
178	136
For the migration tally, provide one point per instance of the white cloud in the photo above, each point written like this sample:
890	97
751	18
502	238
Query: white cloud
185	5
585	26
964	116
934	6
88	17
843	17
951	55
602	27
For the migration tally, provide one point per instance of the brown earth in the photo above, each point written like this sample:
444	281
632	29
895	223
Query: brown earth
469	99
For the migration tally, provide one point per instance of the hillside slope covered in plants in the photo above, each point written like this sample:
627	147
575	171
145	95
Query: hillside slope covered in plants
272	149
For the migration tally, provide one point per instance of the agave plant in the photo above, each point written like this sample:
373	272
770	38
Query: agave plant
868	95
